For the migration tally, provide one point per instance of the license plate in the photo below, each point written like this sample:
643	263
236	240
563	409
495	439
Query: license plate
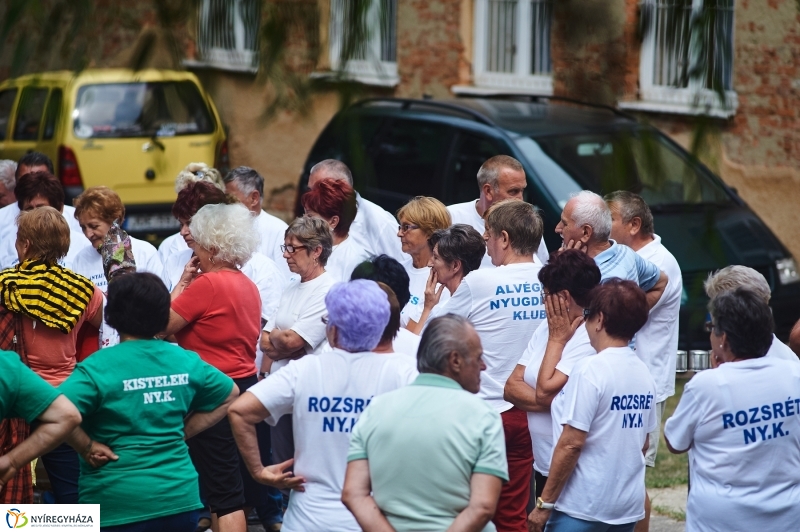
151	222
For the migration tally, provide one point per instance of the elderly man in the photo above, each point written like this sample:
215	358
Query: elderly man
40	189
7	182
733	277
28	163
247	185
505	305
586	224
499	178
430	456
326	395
657	341
373	229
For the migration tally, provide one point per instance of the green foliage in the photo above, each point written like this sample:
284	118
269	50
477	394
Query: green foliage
671	469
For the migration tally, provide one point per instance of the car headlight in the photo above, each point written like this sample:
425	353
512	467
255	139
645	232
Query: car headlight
787	270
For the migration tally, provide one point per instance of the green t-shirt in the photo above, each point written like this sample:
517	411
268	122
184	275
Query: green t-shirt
22	392
133	397
423	443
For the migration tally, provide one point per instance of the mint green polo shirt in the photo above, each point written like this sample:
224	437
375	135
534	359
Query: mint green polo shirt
423	443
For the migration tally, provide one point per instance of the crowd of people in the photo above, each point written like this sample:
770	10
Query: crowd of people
353	370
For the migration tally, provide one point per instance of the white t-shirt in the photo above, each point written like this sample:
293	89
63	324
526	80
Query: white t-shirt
326	395
417	281
8	236
657	341
781	351
272	231
740	424
344	259
466	213
89	263
171	245
301	309
376	231
407	343
505	305
540	424
611	396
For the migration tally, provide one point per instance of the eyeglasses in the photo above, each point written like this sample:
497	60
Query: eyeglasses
290	248
325	319
405	228
709	326
586	313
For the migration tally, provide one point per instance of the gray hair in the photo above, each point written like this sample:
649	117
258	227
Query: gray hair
442	336
490	170
590	209
246	180
8	169
632	206
733	277
312	232
334	170
198	172
230	229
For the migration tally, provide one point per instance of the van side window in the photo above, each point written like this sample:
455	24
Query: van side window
29	113
7	98
51	114
408	159
470	153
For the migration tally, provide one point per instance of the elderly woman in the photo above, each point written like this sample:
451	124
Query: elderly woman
455	252
739	423
167	393
601	421
553	351
312	388
419	218
53	304
297	328
733	277
215	312
334	201
96	209
193	173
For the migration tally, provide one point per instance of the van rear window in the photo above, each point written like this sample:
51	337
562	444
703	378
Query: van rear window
120	110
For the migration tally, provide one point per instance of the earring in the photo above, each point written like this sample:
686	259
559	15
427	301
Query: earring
212	260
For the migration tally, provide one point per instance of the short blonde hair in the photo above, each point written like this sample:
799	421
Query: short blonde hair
520	221
732	277
101	202
47	231
428	213
199	172
229	229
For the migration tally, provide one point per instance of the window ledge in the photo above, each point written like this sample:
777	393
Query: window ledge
490	84
472	90
373	78
220	65
684	102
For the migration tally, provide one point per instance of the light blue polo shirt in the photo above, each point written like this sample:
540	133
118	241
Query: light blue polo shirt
624	263
423	443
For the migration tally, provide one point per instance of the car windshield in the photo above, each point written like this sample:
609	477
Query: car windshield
639	161
163	109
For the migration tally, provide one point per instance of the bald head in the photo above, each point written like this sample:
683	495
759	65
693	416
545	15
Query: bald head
329	169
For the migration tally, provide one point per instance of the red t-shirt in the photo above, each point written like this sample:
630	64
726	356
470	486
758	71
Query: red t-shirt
224	313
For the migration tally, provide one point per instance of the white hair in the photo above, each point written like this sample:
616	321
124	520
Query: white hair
7	170
229	229
590	209
198	172
733	277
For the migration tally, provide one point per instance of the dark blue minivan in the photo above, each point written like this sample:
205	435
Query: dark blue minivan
398	149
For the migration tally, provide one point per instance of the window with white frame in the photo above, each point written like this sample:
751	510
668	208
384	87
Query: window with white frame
687	57
512	45
363	40
227	34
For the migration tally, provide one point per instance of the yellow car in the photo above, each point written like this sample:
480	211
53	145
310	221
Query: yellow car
132	131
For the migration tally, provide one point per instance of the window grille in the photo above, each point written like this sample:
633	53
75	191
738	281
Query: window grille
227	33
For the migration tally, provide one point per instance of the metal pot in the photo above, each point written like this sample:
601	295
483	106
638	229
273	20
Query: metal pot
682	362
698	360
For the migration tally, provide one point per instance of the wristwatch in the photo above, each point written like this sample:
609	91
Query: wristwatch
540	504
263	374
